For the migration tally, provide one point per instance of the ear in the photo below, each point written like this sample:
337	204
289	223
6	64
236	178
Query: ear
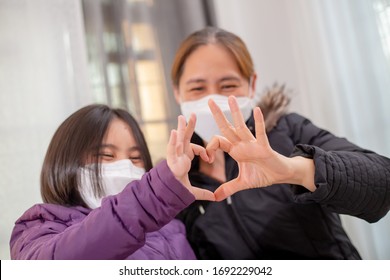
177	94
252	86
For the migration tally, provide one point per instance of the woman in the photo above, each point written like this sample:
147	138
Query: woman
299	176
103	199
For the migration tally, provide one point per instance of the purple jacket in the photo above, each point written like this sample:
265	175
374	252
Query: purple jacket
138	223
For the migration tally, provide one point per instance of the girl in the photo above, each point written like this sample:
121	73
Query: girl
103	199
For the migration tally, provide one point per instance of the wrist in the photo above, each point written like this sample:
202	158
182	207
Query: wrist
303	170
184	180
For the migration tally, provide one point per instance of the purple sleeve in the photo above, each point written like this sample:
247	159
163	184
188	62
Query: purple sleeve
113	231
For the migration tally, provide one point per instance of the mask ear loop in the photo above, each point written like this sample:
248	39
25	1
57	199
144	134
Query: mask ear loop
181	98
250	93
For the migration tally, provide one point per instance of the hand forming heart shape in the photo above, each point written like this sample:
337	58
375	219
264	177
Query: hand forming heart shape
259	165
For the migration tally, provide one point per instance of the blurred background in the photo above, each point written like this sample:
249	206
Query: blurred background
59	55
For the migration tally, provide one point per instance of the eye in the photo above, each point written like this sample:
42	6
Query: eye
105	156
229	87
197	89
135	159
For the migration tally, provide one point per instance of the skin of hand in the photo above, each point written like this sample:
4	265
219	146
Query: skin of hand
180	153
259	165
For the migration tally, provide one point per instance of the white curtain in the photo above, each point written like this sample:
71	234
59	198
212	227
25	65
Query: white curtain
333	54
43	78
357	77
357	70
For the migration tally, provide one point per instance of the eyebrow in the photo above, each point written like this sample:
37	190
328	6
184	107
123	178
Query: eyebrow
229	78
223	79
191	81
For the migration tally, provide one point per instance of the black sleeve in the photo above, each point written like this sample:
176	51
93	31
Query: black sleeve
350	180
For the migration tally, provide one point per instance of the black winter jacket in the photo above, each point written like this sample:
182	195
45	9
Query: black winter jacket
289	222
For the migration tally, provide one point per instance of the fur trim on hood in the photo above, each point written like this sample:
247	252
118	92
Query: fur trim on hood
274	104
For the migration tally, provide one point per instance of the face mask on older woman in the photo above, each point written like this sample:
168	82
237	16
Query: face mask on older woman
206	127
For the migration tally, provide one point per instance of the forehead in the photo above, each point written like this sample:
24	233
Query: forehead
210	61
119	132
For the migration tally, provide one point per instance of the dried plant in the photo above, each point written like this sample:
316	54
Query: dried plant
274	104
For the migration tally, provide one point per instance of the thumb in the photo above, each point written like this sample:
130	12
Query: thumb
202	194
227	189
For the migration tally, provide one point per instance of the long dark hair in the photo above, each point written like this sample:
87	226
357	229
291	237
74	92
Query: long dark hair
77	139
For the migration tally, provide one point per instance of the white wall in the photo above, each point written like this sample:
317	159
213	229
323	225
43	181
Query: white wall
268	28
43	78
329	54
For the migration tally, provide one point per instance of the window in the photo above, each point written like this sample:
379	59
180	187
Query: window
127	41
125	65
382	8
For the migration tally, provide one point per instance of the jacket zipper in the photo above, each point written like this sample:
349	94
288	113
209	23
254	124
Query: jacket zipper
245	235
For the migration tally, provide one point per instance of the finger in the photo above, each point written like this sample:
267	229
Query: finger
200	151
171	148
261	135
227	189
225	127
189	131
239	123
202	194
219	142
181	127
211	152
190	128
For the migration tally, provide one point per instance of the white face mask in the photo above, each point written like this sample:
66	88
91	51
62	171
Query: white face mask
206	127
115	177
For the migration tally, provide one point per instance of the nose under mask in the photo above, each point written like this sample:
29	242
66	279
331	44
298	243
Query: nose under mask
206	127
115	177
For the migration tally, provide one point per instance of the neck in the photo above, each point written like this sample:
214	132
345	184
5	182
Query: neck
216	169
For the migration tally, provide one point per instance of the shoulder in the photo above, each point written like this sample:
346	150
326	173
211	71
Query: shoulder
293	120
290	123
301	130
44	220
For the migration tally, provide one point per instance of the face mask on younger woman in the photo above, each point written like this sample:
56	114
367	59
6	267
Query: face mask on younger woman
206	127
115	177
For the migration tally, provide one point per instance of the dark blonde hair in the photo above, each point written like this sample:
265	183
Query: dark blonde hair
212	35
77	139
